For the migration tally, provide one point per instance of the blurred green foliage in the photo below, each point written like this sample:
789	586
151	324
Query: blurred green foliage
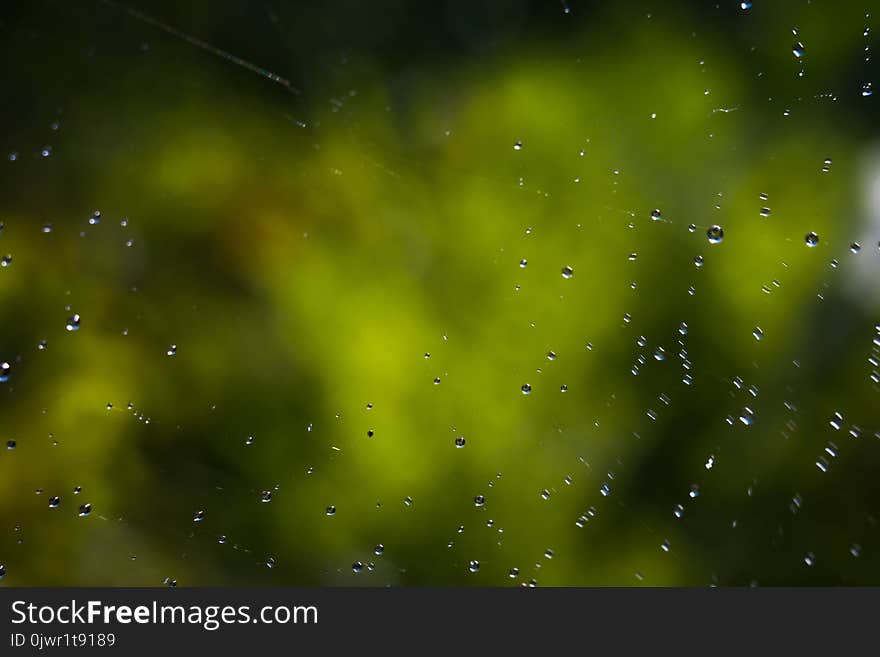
305	252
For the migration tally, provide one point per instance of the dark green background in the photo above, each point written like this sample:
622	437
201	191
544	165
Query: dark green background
305	250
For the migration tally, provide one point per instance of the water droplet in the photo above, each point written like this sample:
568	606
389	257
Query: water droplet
474	566
249	440
379	550
698	261
866	89
266	496
222	539
5	368
551	355
72	323
408	501
715	234
6	260
567	272
656	215
526	388
855	247
479	500
517	146
678	510
798	50
199	516
523	263
10	444
809	558
169	582
54	502
745	6
811	239
694	491
460	441
855	549
172	350
84	510
330	510
757	333
513	573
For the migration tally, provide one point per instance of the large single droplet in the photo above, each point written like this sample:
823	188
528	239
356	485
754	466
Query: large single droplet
656	215
811	239
84	510
526	388
5	368
715	234
6	260
199	516
266	496
798	50
474	566
54	502
757	333
460	441
72	323
567	272
479	500
331	510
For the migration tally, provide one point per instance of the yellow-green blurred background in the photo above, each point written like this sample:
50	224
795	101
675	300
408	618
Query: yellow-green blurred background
339	268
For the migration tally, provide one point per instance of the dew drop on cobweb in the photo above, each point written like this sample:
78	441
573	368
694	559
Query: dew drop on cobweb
474	566
379	550
5	369
54	502
266	496
199	516
172	350
526	388
460	441
6	260
811	239
567	272
330	510
715	234
72	323
84	510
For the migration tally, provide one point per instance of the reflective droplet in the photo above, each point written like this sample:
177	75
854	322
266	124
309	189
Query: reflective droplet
479	500
757	333
379	550
798	50
330	510
694	491
266	496
745	6
199	516
513	573
551	355
764	212
656	215
5	368
866	89
5	261
72	323
526	388
172	350
10	444
84	510
54	502
715	234
809	558
523	263
811	239
222	539
474	566
567	272
698	261
855	247
517	146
